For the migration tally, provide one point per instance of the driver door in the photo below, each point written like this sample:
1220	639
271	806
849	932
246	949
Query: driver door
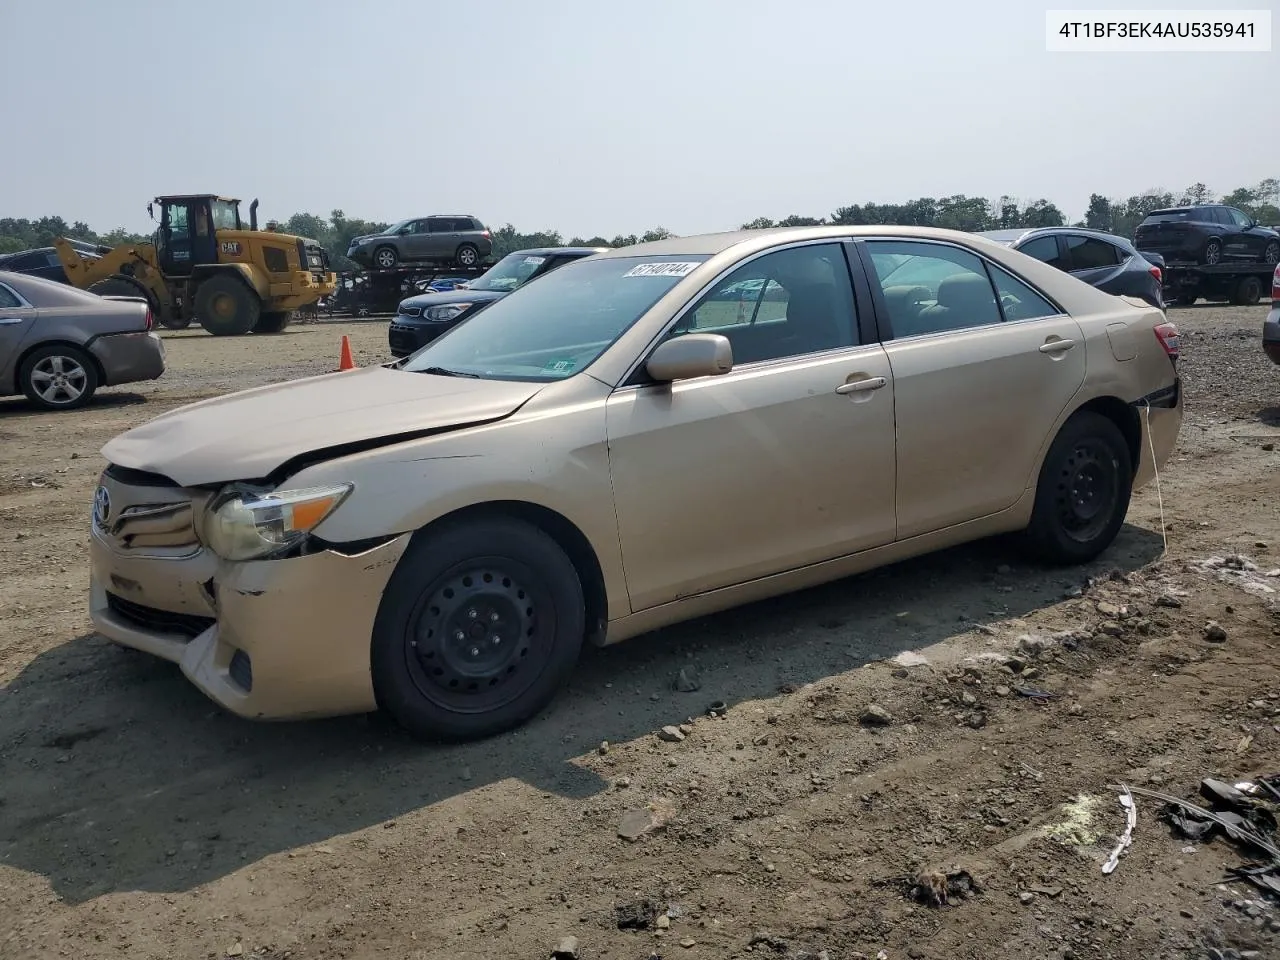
776	465
175	250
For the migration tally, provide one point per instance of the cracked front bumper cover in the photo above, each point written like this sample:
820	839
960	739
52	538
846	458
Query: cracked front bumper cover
267	640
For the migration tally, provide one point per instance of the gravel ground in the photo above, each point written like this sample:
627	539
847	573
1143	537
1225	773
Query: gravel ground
137	820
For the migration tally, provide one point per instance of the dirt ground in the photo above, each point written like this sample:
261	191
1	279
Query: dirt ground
136	820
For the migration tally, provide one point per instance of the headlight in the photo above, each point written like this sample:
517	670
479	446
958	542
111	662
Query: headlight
245	526
446	312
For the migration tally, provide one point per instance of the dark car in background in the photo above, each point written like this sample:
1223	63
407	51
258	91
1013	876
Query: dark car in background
456	238
1103	260
421	319
44	262
1207	234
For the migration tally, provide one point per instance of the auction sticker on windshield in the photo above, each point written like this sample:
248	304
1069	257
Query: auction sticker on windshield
535	260
678	269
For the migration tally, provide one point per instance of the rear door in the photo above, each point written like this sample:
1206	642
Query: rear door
444	237
978	381
17	317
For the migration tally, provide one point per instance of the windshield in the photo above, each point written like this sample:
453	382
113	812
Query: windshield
394	228
556	327
509	272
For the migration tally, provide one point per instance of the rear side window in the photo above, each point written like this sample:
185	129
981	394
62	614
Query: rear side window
1044	249
1090	253
1017	300
932	288
8	299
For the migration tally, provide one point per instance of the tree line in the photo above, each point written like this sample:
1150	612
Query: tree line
959	212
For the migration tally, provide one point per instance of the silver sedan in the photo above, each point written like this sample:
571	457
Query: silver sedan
58	345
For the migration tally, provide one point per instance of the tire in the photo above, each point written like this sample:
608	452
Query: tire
1271	255
1089	451
175	323
1247	292
440	688
118	285
1187	299
466	256
273	321
58	377
1212	252
226	307
384	258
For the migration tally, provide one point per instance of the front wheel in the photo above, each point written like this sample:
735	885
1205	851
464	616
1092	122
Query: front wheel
384	258
1271	255
480	625
273	321
1083	492
58	377
226	307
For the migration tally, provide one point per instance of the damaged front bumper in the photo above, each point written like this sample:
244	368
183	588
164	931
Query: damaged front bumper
268	639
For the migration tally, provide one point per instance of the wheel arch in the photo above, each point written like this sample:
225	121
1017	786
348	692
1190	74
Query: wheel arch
1123	415
58	342
559	528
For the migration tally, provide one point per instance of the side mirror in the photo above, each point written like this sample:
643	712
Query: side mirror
151	212
691	355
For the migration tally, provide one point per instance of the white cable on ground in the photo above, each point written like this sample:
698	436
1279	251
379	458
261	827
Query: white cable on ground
1155	470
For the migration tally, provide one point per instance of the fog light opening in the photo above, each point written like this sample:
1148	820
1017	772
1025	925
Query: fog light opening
241	671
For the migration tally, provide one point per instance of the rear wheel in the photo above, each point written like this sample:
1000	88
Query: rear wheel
1247	292
226	307
1083	492
273	321
1272	254
58	377
467	256
479	626
1213	252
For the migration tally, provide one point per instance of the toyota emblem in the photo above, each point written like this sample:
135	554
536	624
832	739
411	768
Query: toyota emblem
101	506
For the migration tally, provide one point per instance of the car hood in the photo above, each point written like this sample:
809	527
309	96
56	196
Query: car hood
250	434
368	236
444	297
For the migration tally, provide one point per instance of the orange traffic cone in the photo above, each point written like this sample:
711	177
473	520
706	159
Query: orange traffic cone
345	361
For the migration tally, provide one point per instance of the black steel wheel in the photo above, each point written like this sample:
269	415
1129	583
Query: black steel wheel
480	625
1083	493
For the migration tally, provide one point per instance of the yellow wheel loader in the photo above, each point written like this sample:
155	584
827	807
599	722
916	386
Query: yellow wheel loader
203	264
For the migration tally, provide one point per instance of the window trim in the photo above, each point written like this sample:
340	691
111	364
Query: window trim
1059	244
882	310
628	381
23	302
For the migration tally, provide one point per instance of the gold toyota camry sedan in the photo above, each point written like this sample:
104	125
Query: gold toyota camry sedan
647	435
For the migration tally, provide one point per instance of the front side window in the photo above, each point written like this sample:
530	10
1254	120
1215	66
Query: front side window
559	326
932	288
1090	253
1240	218
784	304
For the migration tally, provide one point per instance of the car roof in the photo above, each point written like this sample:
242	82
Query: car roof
1185	209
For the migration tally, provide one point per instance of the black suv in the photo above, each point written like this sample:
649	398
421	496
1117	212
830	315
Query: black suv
422	318
1207	234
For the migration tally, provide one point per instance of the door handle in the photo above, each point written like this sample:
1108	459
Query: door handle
1057	346
861	386
10	321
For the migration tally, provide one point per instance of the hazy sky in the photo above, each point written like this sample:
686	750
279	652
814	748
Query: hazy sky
607	117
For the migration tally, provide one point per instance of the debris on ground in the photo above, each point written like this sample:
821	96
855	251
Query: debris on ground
875	716
937	888
671	734
1245	812
637	823
687	681
636	915
1126	838
566	949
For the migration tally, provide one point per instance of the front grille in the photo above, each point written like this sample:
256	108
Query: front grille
410	311
402	339
186	625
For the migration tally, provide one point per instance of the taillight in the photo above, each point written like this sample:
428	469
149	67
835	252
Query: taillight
1155	272
149	319
1167	334
1275	287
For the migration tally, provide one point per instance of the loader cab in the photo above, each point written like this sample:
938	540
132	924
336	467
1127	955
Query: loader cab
187	235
